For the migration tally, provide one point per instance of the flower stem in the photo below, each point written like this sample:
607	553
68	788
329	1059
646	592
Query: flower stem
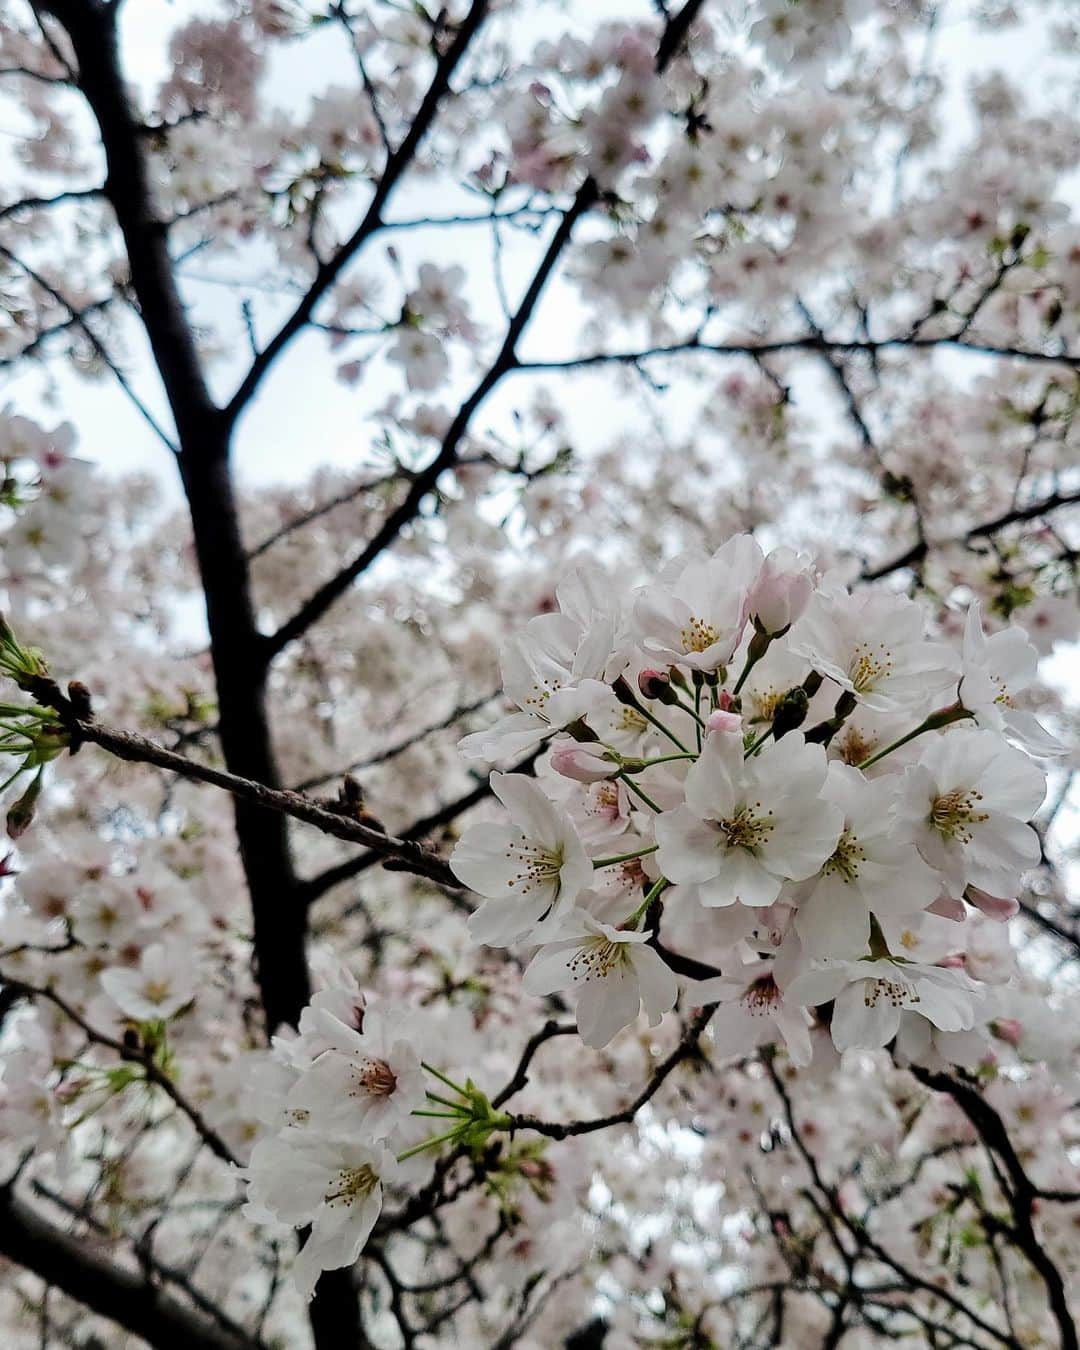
429	1143
756	745
640	764
654	890
759	645
445	1101
640	792
943	717
454	1087
624	857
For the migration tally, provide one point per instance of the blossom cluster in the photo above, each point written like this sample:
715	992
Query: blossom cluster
786	795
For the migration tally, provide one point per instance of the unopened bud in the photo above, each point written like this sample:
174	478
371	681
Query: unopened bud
722	720
1007	1029
582	763
656	684
781	592
790	711
21	813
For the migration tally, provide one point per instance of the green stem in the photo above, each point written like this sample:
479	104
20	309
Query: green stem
625	857
429	1143
759	645
640	792
654	890
649	717
445	1101
943	717
640	765
454	1087
758	743
686	708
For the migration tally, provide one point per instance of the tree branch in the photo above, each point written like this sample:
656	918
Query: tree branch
329	271
588	194
71	1264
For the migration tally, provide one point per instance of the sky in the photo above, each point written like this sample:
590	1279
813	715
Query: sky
303	414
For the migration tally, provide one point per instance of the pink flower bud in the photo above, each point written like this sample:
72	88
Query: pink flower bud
725	700
653	683
781	592
583	763
1007	1029
993	906
723	721
954	961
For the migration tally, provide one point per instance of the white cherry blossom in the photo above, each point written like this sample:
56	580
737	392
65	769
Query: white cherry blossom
996	669
162	983
871	996
613	972
874	646
524	869
748	825
333	1185
367	1082
696	617
967	803
873	869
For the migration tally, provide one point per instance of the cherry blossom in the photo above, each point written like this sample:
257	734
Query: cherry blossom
524	869
748	824
613	972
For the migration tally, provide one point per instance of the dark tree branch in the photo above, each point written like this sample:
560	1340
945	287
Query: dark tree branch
587	196
396	165
129	746
67	1261
1021	1193
317	886
684	1050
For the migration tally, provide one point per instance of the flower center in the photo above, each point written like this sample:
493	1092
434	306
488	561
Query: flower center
596	960
855	747
746	829
953	813
605	801
761	996
764	704
893	991
539	866
353	1183
844	862
156	991
632	720
541	692
374	1078
869	665
698	635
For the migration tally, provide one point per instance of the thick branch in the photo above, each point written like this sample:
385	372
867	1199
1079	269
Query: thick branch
71	1264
